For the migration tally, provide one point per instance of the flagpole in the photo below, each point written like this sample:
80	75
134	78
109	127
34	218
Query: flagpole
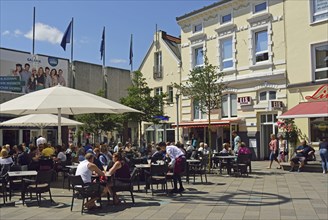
131	56
33	41
72	65
104	60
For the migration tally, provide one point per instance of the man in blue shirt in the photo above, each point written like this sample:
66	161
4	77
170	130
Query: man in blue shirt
302	153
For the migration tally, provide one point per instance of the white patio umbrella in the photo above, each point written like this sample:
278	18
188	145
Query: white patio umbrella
39	120
62	100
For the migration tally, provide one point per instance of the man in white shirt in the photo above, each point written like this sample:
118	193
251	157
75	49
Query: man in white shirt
178	163
40	140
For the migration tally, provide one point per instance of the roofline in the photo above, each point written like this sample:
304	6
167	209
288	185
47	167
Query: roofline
205	8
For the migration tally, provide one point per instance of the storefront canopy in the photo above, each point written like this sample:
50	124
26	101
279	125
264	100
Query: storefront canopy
204	124
307	110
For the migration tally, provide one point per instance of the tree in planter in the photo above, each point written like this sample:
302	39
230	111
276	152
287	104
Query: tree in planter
140	97
97	123
291	133
204	86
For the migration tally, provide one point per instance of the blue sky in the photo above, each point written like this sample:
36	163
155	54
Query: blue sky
121	19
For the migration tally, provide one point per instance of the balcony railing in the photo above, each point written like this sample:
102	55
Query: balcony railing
158	72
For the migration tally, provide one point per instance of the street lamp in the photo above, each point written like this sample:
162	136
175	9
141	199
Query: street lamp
177	96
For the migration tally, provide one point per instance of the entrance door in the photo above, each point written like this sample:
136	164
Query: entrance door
267	130
268	127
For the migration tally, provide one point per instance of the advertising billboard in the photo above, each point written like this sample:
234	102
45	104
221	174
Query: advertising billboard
23	72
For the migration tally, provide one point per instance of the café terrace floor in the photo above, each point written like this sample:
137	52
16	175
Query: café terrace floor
265	194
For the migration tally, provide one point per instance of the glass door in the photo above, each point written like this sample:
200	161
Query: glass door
268	127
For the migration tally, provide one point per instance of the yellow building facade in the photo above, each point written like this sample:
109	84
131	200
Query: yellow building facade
307	67
161	67
247	41
274	55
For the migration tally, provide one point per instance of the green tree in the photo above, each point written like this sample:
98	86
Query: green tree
204	86
140	97
98	123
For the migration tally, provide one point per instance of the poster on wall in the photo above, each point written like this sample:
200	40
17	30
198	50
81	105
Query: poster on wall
22	72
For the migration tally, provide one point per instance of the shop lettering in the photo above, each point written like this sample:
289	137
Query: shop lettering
320	94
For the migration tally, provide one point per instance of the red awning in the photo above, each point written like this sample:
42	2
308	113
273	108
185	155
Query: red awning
307	110
204	124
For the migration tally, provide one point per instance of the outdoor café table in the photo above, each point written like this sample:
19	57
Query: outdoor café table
71	166
228	158
190	161
141	168
21	174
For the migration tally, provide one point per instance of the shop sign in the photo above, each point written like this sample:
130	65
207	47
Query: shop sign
246	100
276	105
320	95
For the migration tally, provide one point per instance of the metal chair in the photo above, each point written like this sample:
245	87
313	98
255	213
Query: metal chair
123	184
38	186
199	168
84	191
158	176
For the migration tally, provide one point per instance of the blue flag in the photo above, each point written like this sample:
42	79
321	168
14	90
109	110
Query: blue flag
67	36
102	45
131	51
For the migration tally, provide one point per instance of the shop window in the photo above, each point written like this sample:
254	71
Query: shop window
318	128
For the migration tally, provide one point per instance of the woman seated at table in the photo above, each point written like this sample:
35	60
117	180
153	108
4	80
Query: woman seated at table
226	149
158	155
34	157
85	169
60	159
120	169
243	149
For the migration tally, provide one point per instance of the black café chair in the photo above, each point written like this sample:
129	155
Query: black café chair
4	181
124	184
83	191
15	183
157	176
38	186
199	168
242	164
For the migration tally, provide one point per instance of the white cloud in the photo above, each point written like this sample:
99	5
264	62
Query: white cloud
17	32
118	61
5	33
44	32
84	40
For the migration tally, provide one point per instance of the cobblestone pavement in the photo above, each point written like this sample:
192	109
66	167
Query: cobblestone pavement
265	194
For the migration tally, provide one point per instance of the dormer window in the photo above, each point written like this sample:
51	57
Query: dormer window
260	7
226	18
197	28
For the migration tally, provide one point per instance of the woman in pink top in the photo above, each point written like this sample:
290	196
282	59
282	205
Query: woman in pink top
273	146
243	149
